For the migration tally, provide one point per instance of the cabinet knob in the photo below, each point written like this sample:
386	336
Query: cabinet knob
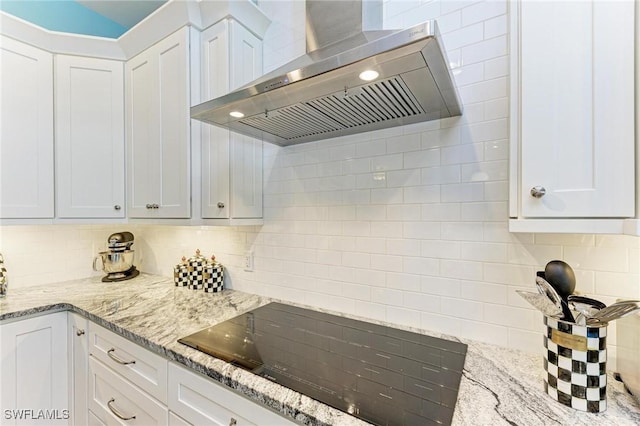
149	206
80	332
117	207
233	422
156	206
220	205
538	191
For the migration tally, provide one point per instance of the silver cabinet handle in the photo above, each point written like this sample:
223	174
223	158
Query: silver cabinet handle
79	332
220	205
117	207
116	412
156	206
233	422
538	191
118	359
149	206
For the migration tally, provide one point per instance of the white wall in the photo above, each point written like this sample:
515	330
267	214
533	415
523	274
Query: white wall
407	225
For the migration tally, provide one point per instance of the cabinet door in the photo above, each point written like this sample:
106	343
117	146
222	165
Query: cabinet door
576	108
78	368
26	131
89	137
174	118
214	45
157	121
246	180
231	57
142	133
34	368
246	152
246	56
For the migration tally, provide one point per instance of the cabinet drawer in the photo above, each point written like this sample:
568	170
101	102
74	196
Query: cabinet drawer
200	401
143	368
113	400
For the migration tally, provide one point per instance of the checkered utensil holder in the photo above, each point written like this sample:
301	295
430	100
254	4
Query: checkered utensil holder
213	278
575	360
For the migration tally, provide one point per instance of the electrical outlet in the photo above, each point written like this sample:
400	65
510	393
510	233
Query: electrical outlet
248	261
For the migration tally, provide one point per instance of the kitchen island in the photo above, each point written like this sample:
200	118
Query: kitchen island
499	385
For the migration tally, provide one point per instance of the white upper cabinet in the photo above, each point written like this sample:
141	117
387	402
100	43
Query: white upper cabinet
89	137
157	128
572	115
26	131
231	56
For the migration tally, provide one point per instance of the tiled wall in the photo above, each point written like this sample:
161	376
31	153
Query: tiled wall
407	225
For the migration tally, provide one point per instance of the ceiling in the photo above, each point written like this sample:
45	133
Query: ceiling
125	12
103	18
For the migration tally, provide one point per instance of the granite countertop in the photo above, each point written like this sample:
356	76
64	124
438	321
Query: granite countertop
498	386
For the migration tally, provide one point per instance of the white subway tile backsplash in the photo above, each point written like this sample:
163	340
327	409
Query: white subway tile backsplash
612	259
484	50
439	249
483	252
496	26
464	36
483	11
462	269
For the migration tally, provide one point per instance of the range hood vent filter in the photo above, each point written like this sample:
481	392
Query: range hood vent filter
372	103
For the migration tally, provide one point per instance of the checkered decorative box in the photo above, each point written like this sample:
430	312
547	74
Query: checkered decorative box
575	360
213	278
196	266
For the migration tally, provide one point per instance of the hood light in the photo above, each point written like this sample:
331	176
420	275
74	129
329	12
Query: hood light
236	114
368	75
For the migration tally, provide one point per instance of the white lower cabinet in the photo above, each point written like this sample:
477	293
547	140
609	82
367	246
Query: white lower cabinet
114	400
200	401
78	368
34	371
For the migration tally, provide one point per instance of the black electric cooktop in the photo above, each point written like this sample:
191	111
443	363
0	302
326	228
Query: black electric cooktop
382	375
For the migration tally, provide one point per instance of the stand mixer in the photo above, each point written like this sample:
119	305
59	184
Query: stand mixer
117	261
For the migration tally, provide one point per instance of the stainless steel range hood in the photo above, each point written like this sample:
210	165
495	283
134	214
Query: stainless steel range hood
320	95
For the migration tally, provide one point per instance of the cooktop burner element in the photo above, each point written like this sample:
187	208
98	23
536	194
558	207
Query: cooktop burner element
380	374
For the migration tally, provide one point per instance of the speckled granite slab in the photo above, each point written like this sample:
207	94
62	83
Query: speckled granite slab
499	386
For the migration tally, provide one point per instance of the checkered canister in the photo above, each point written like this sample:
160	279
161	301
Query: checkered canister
575	359
181	273
196	266
213	276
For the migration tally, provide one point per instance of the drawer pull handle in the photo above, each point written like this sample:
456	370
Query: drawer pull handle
116	412
233	422
80	332
118	359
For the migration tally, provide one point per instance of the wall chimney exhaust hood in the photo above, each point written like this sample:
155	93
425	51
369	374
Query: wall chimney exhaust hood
351	80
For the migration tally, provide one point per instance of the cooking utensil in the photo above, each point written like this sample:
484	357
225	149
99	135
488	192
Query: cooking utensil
545	288
615	311
542	303
560	275
585	307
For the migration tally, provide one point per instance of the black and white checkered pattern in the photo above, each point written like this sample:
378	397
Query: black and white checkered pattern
576	367
213	278
181	275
